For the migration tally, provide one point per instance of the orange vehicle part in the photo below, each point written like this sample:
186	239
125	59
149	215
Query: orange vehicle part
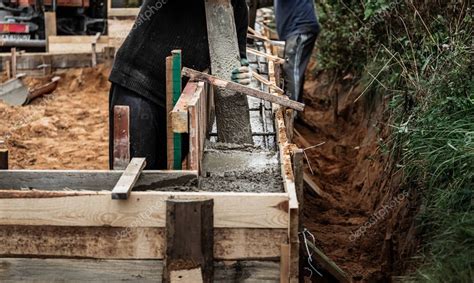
60	3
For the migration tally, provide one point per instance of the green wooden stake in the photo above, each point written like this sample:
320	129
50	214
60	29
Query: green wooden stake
177	89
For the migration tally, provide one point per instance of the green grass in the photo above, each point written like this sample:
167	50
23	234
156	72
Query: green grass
419	54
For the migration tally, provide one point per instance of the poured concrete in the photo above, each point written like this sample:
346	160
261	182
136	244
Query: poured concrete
235	168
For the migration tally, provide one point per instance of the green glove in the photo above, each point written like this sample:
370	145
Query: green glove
242	75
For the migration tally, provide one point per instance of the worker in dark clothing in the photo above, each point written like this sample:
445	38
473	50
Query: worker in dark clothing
139	73
296	24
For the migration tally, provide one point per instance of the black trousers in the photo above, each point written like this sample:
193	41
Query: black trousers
147	127
298	50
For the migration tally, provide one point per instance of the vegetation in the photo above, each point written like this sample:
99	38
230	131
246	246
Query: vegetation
420	54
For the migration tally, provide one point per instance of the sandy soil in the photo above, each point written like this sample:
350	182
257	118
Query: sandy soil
351	169
67	129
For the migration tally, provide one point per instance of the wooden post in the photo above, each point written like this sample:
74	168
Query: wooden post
121	141
3	159
8	68
50	26
298	171
13	63
189	238
289	123
173	92
285	263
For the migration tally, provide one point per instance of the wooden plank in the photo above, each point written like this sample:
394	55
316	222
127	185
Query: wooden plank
284	263
92	180
232	108
121	146
131	242
3	158
197	110
179	114
189	238
128	179
90	270
281	100
50	26
83	270
75	43
85	208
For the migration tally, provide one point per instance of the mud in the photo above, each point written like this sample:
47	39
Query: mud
355	177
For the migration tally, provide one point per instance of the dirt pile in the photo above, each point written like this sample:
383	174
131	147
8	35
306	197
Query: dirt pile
67	129
356	220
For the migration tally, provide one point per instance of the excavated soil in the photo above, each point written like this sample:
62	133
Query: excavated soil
361	220
67	129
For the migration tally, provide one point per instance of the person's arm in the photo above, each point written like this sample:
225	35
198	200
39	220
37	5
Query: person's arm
241	16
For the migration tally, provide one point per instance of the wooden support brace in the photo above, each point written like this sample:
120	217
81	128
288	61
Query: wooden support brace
281	100
128	179
274	58
328	264
173	92
121	153
267	83
189	238
284	263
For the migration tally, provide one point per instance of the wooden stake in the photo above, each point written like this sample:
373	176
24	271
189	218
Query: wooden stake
128	179
189	237
50	26
281	100
8	69
121	129
173	92
284	263
13	66
3	159
298	171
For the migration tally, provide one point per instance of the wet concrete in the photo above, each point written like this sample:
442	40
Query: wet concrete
236	168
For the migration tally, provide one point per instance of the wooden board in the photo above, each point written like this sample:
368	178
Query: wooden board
281	100
198	127
92	180
128	179
75	44
265	210
88	270
28	62
131	243
121	142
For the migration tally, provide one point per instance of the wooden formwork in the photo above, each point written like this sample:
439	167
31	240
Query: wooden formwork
68	218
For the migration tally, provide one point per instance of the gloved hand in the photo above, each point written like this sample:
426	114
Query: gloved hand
242	75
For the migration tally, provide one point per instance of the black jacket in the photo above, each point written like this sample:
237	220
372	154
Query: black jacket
161	26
